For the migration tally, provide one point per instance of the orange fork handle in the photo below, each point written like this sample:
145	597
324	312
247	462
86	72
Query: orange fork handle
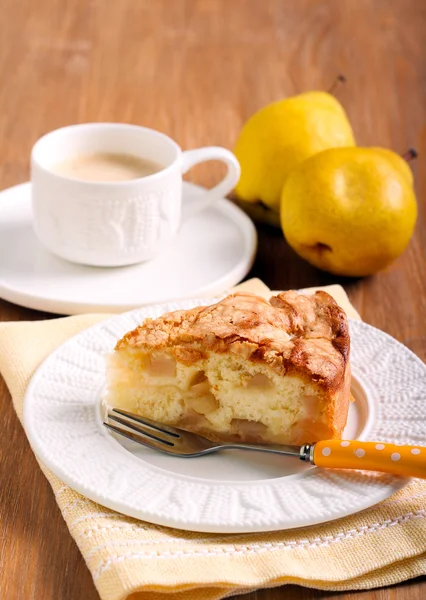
408	461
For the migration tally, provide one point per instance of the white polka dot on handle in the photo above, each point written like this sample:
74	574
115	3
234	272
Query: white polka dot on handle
380	446
360	452
344	444
415	451
395	456
326	451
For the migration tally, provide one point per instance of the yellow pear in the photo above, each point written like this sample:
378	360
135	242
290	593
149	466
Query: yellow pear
282	135
349	211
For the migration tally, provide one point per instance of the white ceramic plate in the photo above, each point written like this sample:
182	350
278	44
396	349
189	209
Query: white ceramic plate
212	252
225	492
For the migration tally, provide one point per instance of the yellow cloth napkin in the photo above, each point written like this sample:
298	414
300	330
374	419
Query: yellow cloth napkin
133	559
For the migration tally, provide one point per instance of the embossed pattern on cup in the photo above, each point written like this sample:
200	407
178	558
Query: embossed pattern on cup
130	225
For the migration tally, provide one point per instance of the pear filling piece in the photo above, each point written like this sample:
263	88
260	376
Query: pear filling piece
259	382
248	429
161	366
201	399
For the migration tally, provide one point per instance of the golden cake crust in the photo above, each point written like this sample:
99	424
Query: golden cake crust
293	333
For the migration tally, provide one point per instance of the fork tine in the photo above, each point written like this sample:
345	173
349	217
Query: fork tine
139	429
148	422
141	439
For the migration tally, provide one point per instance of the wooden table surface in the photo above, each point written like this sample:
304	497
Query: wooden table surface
197	69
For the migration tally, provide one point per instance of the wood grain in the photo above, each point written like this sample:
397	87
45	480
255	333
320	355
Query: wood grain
197	69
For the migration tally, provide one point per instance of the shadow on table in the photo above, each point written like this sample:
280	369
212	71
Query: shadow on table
280	268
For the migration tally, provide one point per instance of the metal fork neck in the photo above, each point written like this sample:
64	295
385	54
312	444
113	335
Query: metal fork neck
302	452
307	453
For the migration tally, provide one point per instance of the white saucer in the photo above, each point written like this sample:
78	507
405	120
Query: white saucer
211	253
227	492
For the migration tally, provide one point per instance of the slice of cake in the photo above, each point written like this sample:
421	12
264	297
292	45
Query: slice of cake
243	369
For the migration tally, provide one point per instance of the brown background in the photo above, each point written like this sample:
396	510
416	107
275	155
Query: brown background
197	69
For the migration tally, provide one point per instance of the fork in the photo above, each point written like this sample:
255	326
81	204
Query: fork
408	461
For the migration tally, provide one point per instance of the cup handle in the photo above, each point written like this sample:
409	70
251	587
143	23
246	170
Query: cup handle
193	157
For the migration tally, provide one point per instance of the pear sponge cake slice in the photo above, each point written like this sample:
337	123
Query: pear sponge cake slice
244	369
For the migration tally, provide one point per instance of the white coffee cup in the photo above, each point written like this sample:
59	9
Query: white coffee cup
116	223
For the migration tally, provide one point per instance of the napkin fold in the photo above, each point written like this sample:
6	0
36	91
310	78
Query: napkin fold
131	559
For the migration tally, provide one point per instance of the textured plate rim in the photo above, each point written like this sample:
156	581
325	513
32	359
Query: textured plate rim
63	307
395	484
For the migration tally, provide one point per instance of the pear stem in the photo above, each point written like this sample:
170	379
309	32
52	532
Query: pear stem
410	155
340	79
